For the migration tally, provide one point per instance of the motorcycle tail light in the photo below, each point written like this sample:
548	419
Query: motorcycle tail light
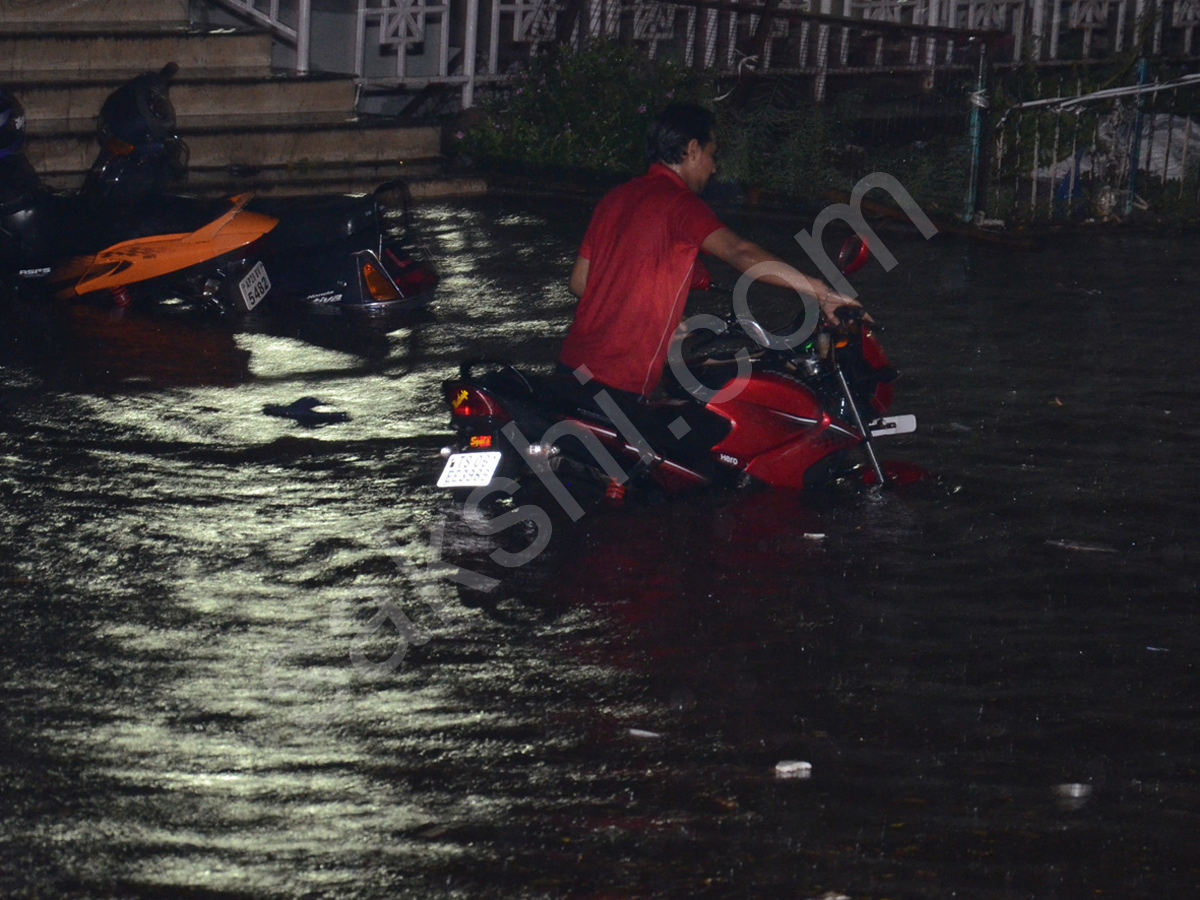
468	401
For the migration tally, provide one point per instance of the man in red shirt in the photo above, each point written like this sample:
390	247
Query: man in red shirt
638	260
636	263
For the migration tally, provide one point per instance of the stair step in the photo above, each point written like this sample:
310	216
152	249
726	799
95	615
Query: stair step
297	146
208	91
93	11
253	141
71	49
425	180
248	126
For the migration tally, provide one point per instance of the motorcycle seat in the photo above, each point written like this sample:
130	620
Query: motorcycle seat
656	419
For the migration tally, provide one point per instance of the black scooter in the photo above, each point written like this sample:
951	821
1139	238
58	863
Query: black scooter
127	237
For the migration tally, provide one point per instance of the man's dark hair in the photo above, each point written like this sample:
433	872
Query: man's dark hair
674	128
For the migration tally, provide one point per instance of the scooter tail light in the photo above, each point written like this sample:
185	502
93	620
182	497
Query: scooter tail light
468	401
411	276
379	286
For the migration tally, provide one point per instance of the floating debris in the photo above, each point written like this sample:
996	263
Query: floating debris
1073	790
814	536
793	768
306	412
642	733
1080	547
1072	795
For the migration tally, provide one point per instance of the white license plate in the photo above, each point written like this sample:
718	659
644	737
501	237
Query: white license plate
470	469
254	286
890	425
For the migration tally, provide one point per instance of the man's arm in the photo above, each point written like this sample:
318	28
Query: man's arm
743	254
579	276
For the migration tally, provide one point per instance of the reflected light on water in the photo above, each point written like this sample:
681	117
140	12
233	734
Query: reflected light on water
988	709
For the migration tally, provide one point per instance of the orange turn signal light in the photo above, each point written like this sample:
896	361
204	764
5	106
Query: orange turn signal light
379	286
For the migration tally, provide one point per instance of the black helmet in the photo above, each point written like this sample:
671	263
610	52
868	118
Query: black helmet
12	124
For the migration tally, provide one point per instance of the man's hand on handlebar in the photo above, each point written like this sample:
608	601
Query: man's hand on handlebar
832	301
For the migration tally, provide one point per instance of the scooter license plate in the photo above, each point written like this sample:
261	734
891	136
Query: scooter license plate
254	286
469	469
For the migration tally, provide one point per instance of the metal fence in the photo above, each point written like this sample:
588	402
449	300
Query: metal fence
415	43
1080	155
741	39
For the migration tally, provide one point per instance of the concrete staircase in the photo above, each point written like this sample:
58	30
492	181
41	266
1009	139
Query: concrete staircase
248	126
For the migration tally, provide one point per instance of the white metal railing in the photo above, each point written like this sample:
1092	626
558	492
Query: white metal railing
289	20
458	42
414	43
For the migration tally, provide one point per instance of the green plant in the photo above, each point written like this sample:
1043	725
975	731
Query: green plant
586	109
782	144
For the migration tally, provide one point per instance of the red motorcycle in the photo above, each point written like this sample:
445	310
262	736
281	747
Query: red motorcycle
760	411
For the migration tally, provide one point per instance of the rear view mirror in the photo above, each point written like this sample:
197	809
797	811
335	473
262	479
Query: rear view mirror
853	255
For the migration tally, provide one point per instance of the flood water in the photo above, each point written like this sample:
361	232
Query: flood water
993	673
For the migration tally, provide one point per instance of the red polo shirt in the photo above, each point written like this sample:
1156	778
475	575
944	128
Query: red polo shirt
641	248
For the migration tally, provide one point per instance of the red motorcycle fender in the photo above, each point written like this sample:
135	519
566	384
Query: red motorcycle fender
873	353
881	401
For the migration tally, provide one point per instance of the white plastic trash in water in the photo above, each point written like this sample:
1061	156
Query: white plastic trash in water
793	768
